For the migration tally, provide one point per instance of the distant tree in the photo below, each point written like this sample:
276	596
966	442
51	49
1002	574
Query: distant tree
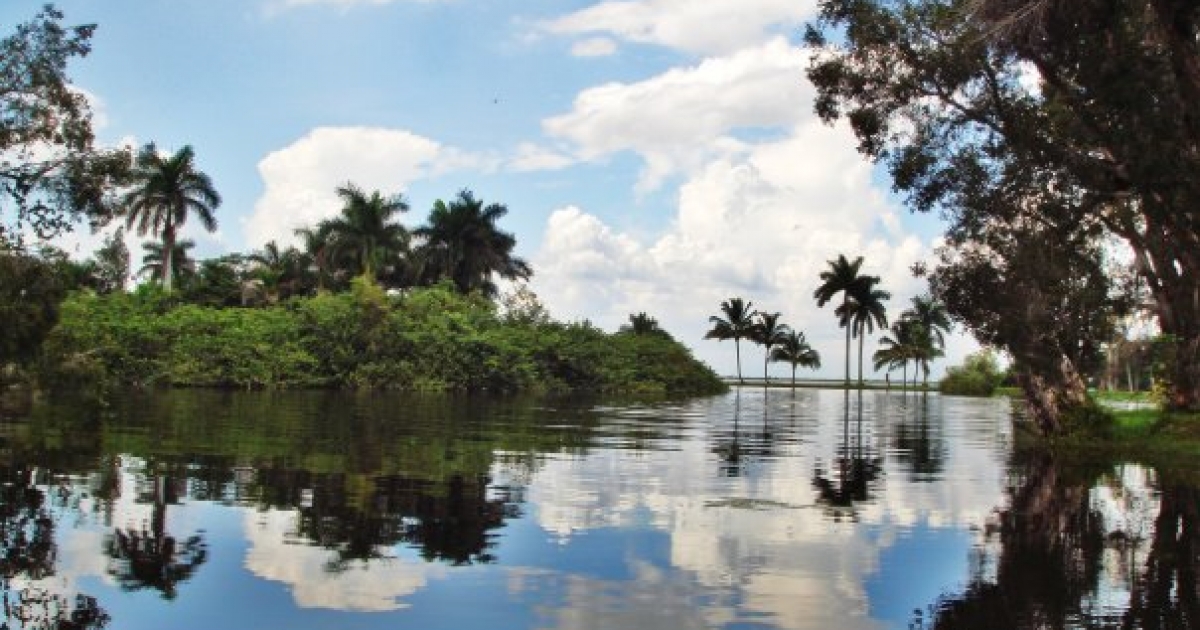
862	312
218	282
155	262
794	349
768	333
112	264
52	174
737	324
284	272
642	324
366	236
166	191
897	348
463	244
841	277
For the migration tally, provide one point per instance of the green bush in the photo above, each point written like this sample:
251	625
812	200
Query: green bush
979	375
430	339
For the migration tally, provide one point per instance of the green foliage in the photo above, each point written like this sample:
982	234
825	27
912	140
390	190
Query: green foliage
979	375
31	288
430	339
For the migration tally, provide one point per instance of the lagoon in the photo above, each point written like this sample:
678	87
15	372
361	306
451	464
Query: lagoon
762	508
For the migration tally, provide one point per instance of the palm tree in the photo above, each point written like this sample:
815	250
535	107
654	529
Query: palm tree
768	333
282	271
364	237
737	324
165	192
154	263
642	324
841	277
862	312
898	349
462	243
932	316
316	246
794	349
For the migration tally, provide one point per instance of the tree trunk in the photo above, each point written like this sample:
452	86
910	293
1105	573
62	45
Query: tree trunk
1051	393
168	238
737	349
860	358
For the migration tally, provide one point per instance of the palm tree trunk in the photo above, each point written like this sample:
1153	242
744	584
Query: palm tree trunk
168	271
793	376
737	349
860	358
766	359
845	298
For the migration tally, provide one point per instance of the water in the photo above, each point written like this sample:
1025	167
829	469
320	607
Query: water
760	509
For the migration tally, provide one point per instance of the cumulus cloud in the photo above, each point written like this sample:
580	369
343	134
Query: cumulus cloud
594	47
709	27
301	179
676	120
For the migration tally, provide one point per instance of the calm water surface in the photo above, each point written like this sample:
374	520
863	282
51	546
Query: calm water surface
759	509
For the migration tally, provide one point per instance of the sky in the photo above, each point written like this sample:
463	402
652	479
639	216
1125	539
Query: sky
655	156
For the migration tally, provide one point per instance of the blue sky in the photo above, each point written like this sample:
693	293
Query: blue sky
655	155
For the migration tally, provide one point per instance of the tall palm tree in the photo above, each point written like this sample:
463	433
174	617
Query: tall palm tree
462	243
737	324
283	271
841	277
768	333
316	246
863	312
165	192
794	349
155	265
365	236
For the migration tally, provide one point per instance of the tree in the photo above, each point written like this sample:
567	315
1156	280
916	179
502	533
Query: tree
768	333
862	312
112	264
155	262
898	349
366	236
737	324
316	245
931	315
52	174
462	243
1047	306
166	191
1070	115
31	290
642	324
794	349
841	277
284	272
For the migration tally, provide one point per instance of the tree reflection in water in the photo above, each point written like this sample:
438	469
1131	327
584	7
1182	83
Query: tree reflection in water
152	558
1065	559
847	482
30	553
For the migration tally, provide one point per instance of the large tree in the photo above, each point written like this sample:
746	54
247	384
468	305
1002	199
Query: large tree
51	173
166	191
1069	114
463	244
842	276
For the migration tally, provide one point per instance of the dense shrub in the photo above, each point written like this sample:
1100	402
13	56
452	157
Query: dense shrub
979	375
426	339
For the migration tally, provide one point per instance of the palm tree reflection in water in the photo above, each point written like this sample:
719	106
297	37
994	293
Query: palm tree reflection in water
841	489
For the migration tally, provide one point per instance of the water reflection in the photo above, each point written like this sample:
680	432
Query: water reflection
1084	546
765	508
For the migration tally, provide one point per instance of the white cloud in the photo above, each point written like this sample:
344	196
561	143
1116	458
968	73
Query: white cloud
594	47
274	554
708	27
301	179
676	120
533	157
276	6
